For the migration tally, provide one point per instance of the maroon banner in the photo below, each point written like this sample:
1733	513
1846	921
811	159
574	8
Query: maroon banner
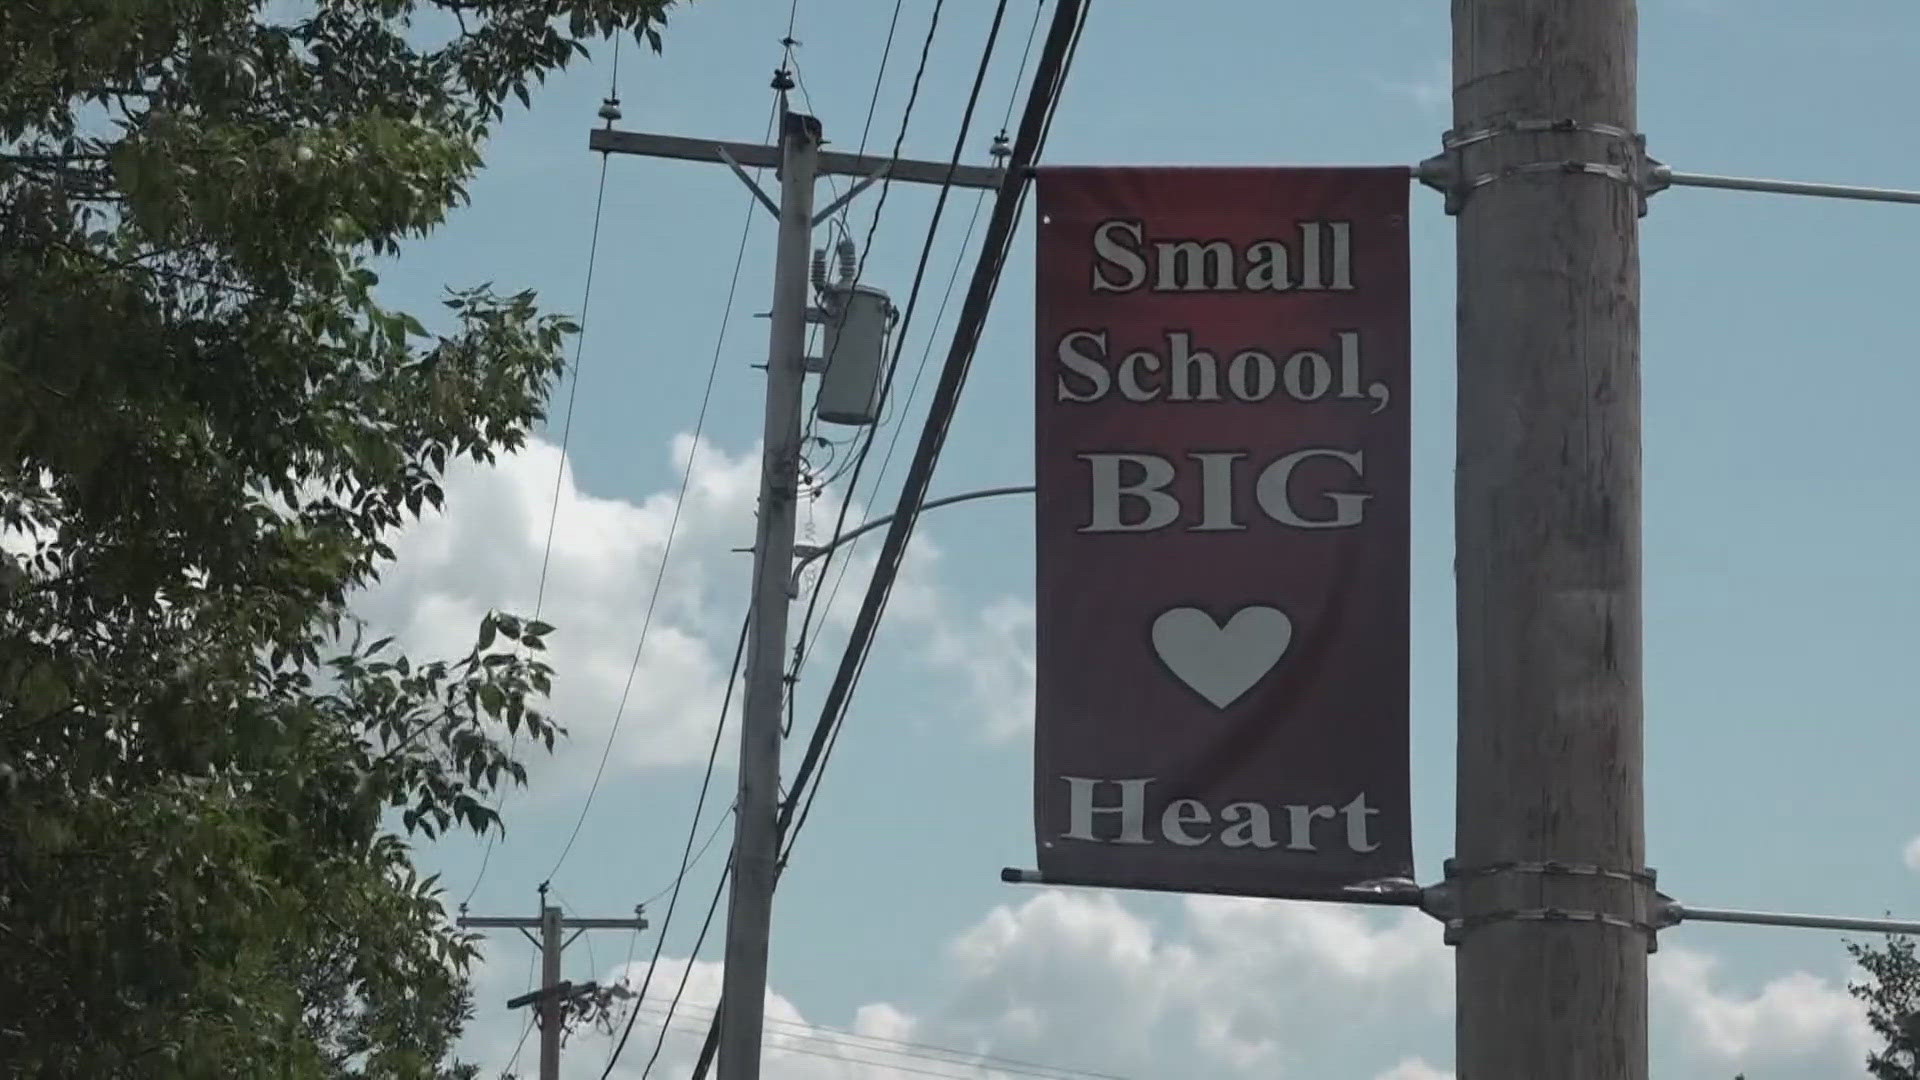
1222	465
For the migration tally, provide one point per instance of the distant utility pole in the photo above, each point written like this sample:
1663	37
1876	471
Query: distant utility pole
1547	175
756	834
554	993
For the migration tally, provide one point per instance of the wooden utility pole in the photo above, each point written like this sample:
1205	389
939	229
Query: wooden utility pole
1551	901
800	162
756	843
552	997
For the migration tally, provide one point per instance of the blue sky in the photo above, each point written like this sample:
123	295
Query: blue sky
1780	530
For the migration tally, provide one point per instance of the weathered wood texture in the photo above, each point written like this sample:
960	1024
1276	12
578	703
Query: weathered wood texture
1547	503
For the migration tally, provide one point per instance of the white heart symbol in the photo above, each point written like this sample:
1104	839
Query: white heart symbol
1221	662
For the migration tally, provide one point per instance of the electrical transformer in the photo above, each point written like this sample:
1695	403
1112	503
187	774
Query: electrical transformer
858	319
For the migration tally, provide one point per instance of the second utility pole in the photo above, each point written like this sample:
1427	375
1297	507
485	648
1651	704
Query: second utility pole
552	1001
756	840
1547	175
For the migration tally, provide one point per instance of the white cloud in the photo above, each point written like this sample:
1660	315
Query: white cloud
484	550
994	652
1232	988
1415	1069
1912	854
1795	1021
1430	93
1244	987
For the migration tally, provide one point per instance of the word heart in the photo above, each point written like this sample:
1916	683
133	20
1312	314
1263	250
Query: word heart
1221	663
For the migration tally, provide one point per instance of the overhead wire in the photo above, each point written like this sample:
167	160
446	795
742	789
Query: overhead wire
899	142
890	1059
527	1030
913	97
566	435
686	858
686	477
706	924
801	1030
840	220
705	845
1043	100
1026	52
933	333
966	122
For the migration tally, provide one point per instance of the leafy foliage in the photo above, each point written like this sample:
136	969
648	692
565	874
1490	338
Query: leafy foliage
1892	997
208	428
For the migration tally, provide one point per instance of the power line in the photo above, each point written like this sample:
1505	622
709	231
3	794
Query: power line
1050	74
686	860
879	77
808	1032
1049	78
900	342
891	1059
867	246
706	924
1025	52
866	443
593	963
566	436
525	1031
1013	97
946	298
679	502
712	835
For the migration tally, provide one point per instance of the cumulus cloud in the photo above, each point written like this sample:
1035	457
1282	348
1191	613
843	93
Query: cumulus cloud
484	550
1912	854
993	652
1078	981
1241	987
1415	1069
1798	1021
1232	988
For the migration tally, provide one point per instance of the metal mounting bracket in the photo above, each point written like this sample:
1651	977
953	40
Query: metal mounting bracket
1446	173
1442	901
865	182
758	193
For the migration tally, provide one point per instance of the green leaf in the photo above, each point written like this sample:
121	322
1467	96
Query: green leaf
220	431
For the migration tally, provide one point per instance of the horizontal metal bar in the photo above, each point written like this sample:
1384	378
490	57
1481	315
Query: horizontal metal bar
1784	187
607	140
1392	894
606	924
1687	913
496	921
502	922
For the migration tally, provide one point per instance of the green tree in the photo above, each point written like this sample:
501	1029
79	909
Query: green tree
209	427
1891	994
